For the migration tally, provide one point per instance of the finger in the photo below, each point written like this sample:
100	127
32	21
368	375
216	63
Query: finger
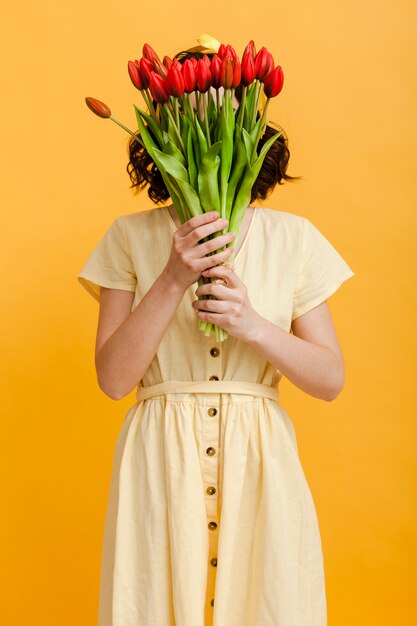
218	290
222	271
212	306
197	220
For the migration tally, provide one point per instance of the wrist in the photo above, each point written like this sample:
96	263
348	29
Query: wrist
172	286
259	329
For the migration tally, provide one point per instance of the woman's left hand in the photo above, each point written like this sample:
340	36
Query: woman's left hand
232	310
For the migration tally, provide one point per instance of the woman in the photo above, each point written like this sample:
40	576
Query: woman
210	518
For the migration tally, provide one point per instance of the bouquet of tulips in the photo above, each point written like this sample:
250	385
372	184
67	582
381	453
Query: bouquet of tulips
207	157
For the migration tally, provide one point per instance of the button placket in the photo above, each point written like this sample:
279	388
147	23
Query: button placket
211	419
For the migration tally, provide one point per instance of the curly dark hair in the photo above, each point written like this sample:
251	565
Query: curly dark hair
143	171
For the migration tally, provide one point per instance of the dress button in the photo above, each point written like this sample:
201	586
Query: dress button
210	451
212	525
213	562
214	352
214	378
211	490
212	411
212	602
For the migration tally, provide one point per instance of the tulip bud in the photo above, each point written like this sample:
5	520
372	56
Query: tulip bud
98	107
206	60
231	51
215	69
149	53
134	74
250	49
263	63
167	61
145	68
226	75
157	88
248	69
273	82
222	51
177	64
203	76
237	72
188	74
174	83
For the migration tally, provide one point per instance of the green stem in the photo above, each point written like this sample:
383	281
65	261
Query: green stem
258	87
205	107
260	130
168	110
242	107
127	129
148	99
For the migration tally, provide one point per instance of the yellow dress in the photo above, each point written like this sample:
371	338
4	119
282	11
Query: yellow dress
210	519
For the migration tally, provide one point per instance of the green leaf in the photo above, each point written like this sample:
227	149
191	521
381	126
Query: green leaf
151	123
171	148
171	165
202	141
257	165
226	160
146	138
255	130
171	131
191	198
184	128
240	160
248	143
192	167
250	97
208	186
196	146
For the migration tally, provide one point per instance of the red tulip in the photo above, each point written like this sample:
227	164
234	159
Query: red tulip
273	82
174	83
250	49
145	69
263	63
134	73
215	69
188	74
167	61
248	69
177	64
194	61
203	76
226	75
237	72
206	60
221	52
231	51
149	53
157	88
98	107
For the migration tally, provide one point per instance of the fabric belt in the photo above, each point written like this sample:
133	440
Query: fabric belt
208	386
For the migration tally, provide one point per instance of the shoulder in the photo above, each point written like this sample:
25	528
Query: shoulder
142	223
289	225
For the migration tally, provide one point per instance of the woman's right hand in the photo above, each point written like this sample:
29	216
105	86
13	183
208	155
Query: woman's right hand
188	257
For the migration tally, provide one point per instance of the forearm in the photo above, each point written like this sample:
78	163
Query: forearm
314	369
126	355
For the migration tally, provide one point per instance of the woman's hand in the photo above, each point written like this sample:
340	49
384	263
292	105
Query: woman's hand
188	257
232	310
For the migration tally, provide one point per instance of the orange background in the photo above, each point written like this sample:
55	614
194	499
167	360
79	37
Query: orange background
348	106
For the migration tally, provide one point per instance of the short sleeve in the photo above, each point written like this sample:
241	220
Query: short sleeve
321	270
109	264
